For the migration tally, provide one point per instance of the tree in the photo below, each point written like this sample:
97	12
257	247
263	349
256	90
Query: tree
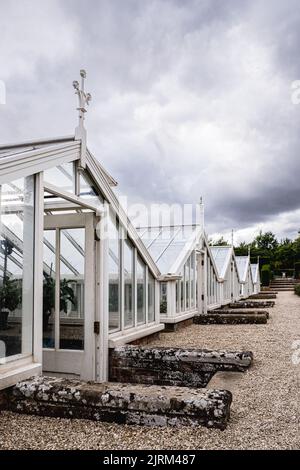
220	242
266	241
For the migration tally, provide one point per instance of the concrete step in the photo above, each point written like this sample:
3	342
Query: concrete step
252	304
230	318
243	311
183	367
121	403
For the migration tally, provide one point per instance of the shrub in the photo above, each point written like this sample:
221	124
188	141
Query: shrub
297	270
297	289
265	275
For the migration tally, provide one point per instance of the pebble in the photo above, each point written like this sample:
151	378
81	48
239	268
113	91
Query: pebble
265	411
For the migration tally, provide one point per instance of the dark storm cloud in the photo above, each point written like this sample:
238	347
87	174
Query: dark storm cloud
189	98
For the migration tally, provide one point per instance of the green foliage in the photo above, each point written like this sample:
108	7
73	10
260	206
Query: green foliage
66	295
163	306
220	242
266	241
297	270
282	256
48	294
297	289
265	275
10	294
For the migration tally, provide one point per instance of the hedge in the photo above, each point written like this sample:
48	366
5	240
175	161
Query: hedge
265	275
297	270
297	289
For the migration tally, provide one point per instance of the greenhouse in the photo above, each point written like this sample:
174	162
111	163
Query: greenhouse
189	280
77	278
245	274
228	271
256	277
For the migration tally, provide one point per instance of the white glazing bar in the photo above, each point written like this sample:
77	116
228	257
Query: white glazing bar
28	265
38	269
57	289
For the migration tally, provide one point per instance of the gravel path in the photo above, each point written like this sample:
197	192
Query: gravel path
266	399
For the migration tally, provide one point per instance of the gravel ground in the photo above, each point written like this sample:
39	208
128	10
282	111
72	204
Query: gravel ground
266	399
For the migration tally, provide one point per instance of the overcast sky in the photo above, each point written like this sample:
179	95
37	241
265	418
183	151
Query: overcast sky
190	98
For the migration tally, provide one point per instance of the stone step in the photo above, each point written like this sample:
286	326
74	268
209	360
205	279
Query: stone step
230	318
182	367
285	289
252	304
263	295
243	311
282	284
121	403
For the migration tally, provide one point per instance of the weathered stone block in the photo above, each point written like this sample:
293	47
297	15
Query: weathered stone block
252	304
173	366
122	403
235	311
230	318
263	295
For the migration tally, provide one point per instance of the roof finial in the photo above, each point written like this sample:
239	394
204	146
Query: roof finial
201	206
84	100
232	238
249	251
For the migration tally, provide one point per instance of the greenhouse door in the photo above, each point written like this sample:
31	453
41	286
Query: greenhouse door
69	295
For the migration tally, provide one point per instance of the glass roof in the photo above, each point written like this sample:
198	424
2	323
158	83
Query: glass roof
221	255
166	243
11	228
242	263
254	270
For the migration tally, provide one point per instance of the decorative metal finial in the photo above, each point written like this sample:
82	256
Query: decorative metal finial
201	212
84	98
232	232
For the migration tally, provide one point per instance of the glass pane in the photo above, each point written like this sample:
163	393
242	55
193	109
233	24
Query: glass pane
16	267
163	297
114	276
72	243
49	289
61	176
182	304
141	291
88	190
151	297
187	284
128	284
177	296
192	279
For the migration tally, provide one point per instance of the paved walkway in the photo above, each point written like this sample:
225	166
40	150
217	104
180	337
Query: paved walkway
265	409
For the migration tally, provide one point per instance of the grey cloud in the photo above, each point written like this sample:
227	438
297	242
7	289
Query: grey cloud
189	98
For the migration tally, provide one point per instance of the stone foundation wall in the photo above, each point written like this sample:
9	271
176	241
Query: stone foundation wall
146	340
171	327
173	366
